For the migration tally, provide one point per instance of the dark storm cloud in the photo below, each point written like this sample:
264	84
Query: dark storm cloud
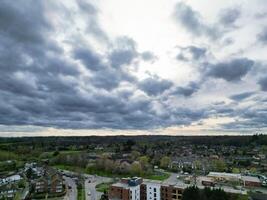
89	58
262	36
191	53
124	52
193	21
263	83
19	24
42	86
155	85
188	90
232	70
242	96
229	16
90	13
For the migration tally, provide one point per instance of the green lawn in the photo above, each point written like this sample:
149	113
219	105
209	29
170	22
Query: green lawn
70	168
162	176
7	155
50	154
102	187
159	177
81	194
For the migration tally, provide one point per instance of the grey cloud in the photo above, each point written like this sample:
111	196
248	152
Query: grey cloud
14	17
90	13
123	53
262	37
191	53
155	85
263	83
229	16
232	70
89	58
242	96
186	91
193	22
148	56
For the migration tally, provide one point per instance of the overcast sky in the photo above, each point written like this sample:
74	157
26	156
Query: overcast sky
83	67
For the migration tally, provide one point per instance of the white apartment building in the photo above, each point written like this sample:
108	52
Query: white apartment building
153	191
135	192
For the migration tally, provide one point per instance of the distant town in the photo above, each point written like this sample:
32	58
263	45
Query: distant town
134	168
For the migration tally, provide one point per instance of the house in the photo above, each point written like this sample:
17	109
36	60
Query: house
10	179
7	193
225	176
251	181
207	181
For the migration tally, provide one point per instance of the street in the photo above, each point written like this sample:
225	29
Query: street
90	183
71	192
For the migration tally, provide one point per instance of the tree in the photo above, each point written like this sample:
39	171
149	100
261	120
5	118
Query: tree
191	193
104	196
219	165
134	155
253	170
218	194
136	168
236	170
144	162
29	173
164	162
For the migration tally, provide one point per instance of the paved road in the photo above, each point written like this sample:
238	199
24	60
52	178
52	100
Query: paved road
90	184
172	178
71	193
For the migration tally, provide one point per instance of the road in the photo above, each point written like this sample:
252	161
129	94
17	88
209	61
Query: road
172	178
71	193
90	183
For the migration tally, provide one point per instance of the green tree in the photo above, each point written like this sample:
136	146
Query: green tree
144	162
191	193
164	162
235	170
136	169
219	165
29	173
253	170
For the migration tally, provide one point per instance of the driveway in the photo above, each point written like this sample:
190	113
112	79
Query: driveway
90	183
72	192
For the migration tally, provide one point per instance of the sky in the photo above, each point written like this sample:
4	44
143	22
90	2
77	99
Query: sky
121	67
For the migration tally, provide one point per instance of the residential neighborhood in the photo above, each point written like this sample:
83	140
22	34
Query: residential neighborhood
132	168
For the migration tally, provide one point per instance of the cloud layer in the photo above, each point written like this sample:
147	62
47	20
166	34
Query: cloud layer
61	66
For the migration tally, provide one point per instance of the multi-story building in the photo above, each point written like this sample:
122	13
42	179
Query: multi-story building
137	189
152	190
127	189
51	182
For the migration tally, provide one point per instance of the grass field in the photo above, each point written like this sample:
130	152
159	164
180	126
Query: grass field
81	194
102	187
162	176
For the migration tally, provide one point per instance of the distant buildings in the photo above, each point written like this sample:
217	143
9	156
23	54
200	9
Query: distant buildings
8	186
247	181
